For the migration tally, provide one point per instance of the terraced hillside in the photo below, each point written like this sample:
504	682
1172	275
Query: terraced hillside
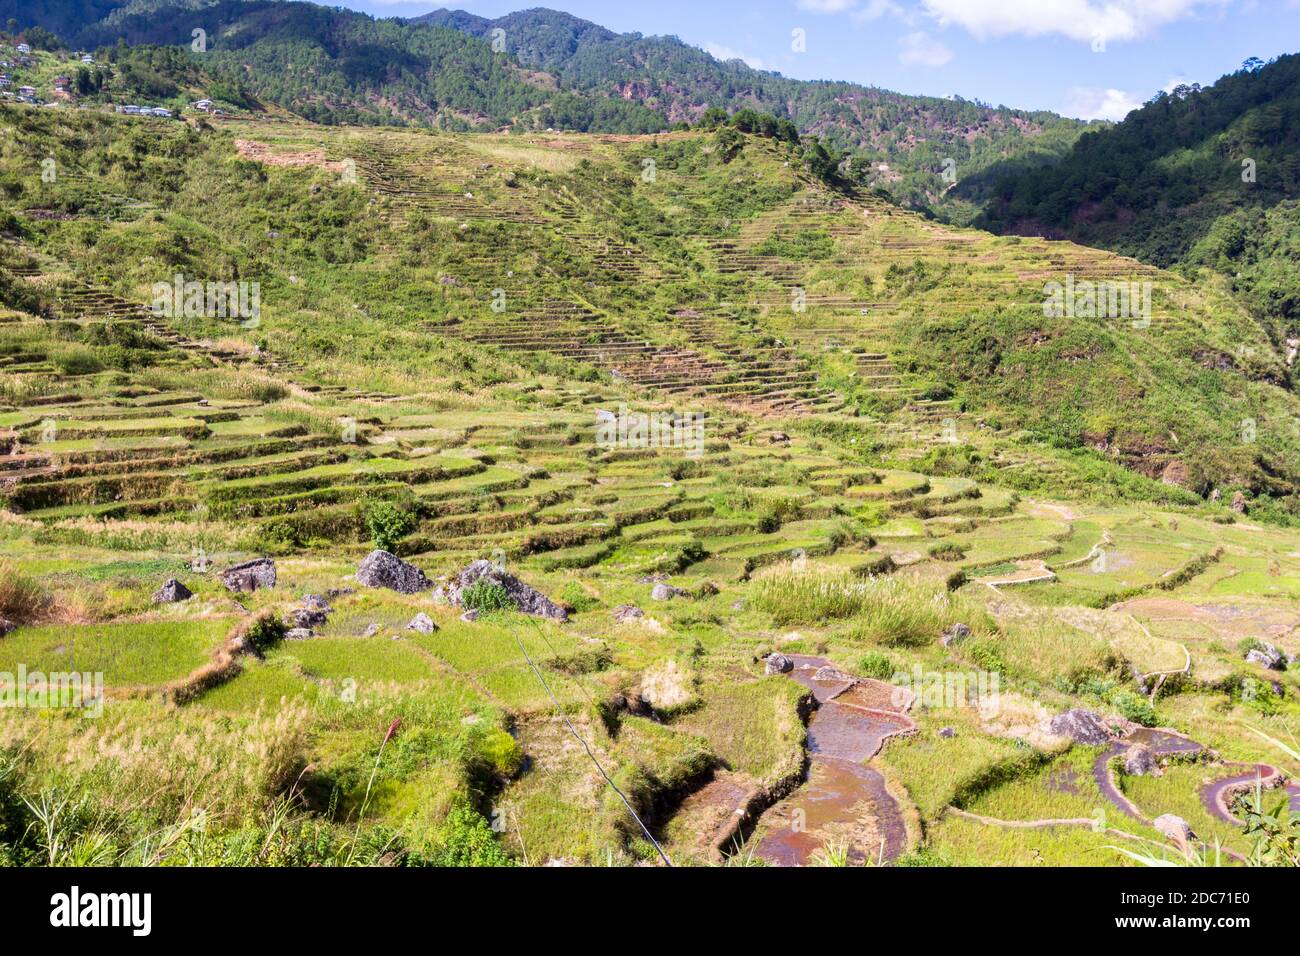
781	457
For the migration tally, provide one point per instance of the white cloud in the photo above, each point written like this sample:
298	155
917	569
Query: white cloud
720	52
1083	20
1091	103
920	49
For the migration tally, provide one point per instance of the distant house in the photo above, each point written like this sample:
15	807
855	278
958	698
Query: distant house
204	105
24	48
26	91
160	111
62	83
5	79
87	59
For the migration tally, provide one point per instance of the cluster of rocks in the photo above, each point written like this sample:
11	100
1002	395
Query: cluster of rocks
255	575
526	599
312	613
1267	656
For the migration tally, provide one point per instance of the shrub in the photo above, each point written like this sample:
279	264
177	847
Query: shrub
21	599
578	599
486	597
387	524
265	632
466	839
877	665
1134	708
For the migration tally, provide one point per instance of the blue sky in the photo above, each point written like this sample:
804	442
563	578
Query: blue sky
1087	58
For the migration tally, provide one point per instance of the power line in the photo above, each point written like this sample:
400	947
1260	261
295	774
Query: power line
578	737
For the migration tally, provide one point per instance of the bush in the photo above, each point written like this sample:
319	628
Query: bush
466	839
21	599
387	524
1134	708
486	597
877	665
265	632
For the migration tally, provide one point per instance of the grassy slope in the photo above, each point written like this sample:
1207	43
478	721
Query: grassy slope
150	439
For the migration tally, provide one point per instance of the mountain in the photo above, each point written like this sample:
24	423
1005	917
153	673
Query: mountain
735	423
334	65
1199	177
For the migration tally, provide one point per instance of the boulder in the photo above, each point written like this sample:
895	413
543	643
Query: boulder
833	675
627	612
306	617
1175	828
470	616
666	592
173	592
299	634
372	630
1176	474
383	570
7	627
255	575
1081	726
631	703
1266	655
526	600
778	664
422	624
947	733
955	634
317	603
1139	761
1239	502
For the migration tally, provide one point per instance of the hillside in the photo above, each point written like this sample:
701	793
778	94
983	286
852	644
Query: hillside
866	432
555	71
1202	177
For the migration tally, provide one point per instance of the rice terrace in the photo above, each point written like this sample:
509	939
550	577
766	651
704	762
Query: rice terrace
443	455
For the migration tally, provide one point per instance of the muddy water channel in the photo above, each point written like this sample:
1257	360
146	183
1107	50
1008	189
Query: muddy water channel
1217	796
843	803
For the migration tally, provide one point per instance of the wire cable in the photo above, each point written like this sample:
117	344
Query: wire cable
578	737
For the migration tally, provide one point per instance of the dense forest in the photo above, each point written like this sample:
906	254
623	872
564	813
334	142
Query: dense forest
1199	177
540	68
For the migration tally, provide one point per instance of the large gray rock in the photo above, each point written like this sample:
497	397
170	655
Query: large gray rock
527	600
1081	726
666	592
1266	655
955	634
1175	828
383	570
778	664
255	575
173	592
7	627
627	612
834	675
299	634
422	624
1139	761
